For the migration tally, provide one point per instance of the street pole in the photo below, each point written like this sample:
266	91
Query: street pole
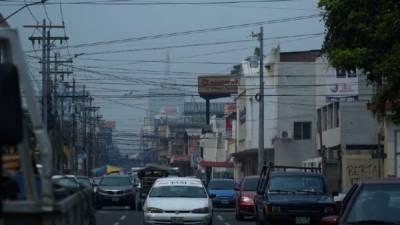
260	153
44	75
23	7
321	144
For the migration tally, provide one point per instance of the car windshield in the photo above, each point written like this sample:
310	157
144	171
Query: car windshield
84	181
296	184
178	191
378	202
97	180
66	182
221	184
250	184
115	181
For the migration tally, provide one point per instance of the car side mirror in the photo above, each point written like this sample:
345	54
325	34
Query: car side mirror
213	196
10	105
329	220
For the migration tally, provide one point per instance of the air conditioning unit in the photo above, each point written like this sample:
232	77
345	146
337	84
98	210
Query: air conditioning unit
285	135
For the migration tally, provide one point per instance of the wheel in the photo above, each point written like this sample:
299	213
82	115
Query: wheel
257	218
238	216
133	206
139	206
211	220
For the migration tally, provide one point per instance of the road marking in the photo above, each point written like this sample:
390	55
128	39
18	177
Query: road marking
220	217
122	217
116	223
227	224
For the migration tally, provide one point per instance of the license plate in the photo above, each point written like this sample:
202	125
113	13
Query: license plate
177	219
302	220
225	202
114	199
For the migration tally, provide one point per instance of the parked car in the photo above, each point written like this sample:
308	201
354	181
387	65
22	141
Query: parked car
370	202
116	190
85	181
178	200
65	185
224	191
246	191
292	197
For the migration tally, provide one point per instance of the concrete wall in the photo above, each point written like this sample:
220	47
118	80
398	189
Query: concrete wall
392	140
295	78
247	133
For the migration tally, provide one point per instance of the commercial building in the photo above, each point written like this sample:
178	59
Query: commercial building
350	133
289	119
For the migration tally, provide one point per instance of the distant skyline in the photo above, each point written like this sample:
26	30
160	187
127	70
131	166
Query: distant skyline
110	72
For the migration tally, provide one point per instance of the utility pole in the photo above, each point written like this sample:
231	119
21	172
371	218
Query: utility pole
321	144
260	155
45	40
73	133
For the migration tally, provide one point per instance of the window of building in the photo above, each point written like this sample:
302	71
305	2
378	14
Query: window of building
324	118
336	114
340	73
302	130
330	117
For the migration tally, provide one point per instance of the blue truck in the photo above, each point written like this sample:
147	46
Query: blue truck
292	195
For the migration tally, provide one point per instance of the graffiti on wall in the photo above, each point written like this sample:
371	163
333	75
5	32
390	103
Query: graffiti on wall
359	167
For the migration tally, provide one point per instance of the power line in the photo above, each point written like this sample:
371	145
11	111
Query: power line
197	44
197	31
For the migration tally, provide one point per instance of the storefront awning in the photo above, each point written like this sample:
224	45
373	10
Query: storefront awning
245	153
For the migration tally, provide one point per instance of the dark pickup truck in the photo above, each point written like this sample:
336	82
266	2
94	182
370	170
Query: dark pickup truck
292	195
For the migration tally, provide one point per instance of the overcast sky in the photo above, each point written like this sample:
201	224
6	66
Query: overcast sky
114	73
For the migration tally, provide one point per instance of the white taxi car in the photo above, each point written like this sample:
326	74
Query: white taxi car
178	200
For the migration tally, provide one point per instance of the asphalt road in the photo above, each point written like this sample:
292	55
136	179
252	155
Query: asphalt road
123	216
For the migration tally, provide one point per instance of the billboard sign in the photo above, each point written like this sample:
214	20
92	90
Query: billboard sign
217	85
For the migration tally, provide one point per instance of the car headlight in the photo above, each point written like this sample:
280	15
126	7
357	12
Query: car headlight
201	210
152	210
101	191
329	210
246	199
128	191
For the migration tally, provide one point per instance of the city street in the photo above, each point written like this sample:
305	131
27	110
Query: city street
121	216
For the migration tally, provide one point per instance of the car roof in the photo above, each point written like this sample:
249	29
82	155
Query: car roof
119	175
185	181
391	180
222	179
63	176
252	177
295	173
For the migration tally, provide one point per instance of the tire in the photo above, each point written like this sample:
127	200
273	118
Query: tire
238	216
257	218
139	206
133	206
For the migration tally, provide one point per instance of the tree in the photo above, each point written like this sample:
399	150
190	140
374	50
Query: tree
365	34
236	69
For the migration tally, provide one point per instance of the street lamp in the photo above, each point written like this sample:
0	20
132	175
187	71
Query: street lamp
23	7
